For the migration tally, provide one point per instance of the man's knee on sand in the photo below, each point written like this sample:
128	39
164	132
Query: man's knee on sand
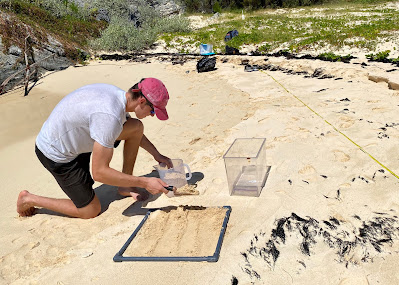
90	211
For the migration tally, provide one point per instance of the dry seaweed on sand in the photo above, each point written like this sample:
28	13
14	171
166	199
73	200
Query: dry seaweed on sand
371	238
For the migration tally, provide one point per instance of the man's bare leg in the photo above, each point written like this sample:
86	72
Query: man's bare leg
132	134
27	202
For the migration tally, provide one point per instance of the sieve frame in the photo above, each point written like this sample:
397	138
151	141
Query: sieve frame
213	258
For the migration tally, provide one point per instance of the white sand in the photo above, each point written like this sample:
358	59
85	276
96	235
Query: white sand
310	161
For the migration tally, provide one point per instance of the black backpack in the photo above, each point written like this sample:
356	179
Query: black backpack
231	50
206	64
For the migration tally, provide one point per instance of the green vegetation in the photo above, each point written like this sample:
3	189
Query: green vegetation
195	6
76	27
329	56
122	34
72	30
382	57
336	23
335	26
217	5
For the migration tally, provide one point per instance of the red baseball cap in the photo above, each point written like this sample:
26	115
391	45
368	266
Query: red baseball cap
155	91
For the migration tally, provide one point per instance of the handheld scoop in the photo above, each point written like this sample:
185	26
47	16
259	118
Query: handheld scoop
185	190
171	190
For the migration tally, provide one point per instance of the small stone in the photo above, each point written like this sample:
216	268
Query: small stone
14	50
87	254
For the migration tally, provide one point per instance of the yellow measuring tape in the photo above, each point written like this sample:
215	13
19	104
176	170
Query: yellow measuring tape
363	150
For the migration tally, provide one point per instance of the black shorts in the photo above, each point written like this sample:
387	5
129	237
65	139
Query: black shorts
73	177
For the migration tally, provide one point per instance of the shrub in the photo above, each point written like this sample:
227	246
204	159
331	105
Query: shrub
123	35
216	7
380	56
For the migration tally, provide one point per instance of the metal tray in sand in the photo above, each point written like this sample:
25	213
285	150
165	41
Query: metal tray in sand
119	256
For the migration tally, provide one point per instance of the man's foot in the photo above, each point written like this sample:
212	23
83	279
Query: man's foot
137	193
24	207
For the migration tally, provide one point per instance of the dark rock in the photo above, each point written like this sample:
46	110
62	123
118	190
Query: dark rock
14	61
166	7
318	72
215	16
9	67
103	15
51	63
135	18
54	46
231	50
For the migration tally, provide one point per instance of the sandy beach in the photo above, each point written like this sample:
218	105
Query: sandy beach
328	212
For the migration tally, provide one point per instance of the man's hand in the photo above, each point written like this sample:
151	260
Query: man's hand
156	185
163	159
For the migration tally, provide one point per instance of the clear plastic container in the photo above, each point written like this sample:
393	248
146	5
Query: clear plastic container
175	176
246	169
206	49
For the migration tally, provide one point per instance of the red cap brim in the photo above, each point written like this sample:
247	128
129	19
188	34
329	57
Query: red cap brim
161	114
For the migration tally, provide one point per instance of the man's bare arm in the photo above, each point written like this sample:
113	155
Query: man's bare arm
103	173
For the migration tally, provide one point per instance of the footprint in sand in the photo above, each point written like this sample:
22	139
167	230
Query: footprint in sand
206	159
341	156
308	169
217	181
379	110
348	122
354	280
283	139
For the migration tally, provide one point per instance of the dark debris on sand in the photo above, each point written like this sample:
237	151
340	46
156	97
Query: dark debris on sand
183	58
366	241
173	58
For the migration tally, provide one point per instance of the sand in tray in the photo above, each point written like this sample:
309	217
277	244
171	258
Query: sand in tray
179	231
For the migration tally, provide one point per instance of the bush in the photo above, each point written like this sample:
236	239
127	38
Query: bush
217	8
123	35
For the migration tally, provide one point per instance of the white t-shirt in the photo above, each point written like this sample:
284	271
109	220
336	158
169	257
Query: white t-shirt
91	113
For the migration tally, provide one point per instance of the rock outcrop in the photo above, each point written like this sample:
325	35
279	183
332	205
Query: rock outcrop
166	7
13	60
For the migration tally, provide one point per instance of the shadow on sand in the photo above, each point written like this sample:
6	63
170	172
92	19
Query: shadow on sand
138	208
108	194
